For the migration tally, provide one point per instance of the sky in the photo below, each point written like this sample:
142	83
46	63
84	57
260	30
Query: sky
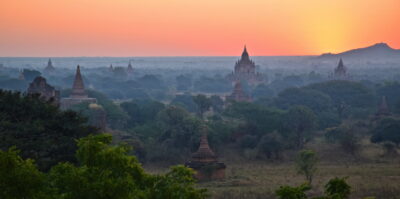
56	28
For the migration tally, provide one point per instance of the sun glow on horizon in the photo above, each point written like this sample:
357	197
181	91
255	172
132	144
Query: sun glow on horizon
191	28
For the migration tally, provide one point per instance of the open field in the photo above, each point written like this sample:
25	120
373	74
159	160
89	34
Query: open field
256	180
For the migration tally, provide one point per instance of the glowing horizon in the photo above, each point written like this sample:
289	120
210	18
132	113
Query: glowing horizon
48	28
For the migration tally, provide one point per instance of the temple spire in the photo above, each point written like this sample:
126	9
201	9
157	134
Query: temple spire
130	68
49	67
204	152
78	88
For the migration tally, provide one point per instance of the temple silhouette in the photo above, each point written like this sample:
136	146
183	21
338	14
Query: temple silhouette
78	94
245	70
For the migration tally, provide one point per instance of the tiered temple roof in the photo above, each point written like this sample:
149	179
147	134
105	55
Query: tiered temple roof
205	163
238	94
130	68
245	69
47	92
78	94
78	88
49	67
341	70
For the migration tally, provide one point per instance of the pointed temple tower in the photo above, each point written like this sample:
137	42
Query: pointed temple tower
47	92
130	68
205	162
383	109
111	69
340	71
245	69
78	89
78	94
49	68
238	94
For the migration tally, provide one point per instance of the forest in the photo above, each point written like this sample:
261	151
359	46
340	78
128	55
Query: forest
304	134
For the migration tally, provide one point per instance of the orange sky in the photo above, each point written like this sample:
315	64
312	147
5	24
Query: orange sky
194	27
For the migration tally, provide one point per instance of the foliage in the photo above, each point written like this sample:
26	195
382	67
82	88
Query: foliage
307	164
337	188
104	172
179	129
19	178
387	129
185	101
287	192
40	130
345	94
203	104
271	145
347	135
141	111
313	99
217	103
300	121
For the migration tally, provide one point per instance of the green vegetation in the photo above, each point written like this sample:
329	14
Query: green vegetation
104	172
40	130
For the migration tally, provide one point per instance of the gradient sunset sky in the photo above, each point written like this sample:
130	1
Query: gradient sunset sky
52	28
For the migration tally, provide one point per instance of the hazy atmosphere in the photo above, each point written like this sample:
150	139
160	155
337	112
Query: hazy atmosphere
256	99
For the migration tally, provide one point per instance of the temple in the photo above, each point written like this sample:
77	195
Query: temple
49	68
383	109
47	92
340	71
130	68
78	94
238	94
205	162
245	69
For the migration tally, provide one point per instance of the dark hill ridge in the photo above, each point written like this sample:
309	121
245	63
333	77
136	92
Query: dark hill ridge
379	50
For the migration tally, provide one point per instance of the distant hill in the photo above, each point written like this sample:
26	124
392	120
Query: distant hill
377	51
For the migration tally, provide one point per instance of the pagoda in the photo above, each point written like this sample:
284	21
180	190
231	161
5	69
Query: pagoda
383	109
340	71
245	69
238	94
49	68
130	68
78	94
78	89
46	92
205	163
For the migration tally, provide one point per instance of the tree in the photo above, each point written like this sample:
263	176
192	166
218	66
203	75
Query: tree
179	129
217	103
300	121
185	101
313	99
271	145
387	129
20	178
337	188
287	192
107	172
346	136
346	95
203	104
104	172
39	129
307	164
